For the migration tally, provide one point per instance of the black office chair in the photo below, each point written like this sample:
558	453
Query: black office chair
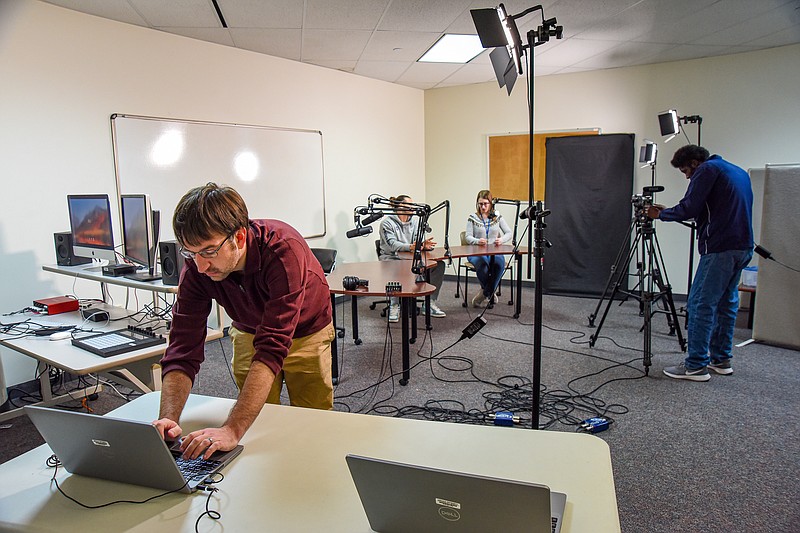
384	302
327	260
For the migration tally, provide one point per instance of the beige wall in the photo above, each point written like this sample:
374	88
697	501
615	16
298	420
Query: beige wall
749	105
62	74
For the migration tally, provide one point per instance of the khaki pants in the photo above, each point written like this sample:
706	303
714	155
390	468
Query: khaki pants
306	370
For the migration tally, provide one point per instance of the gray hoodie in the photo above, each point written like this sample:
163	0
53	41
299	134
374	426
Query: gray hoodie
397	236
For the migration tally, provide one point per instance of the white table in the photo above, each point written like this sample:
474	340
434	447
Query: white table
138	369
92	272
292	475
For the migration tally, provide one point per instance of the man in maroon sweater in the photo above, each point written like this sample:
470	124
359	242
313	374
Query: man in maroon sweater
264	275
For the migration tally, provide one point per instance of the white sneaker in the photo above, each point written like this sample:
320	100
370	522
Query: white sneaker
478	299
394	313
436	312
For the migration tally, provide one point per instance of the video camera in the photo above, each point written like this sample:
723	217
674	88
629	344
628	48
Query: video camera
642	202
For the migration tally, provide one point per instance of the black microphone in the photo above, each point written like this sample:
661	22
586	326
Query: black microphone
359	232
372	218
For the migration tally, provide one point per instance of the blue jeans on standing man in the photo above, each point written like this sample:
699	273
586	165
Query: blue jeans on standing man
489	269
712	307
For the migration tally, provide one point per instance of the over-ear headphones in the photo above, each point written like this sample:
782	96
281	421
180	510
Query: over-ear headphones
352	283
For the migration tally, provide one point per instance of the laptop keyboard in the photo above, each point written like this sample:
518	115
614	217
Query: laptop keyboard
196	469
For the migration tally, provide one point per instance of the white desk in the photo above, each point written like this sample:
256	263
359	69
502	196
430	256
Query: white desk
93	273
292	475
138	369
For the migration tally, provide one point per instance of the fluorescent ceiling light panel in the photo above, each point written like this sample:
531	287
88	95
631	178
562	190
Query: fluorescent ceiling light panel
452	48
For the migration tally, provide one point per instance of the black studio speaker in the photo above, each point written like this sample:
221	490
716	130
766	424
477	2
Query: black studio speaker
171	262
64	255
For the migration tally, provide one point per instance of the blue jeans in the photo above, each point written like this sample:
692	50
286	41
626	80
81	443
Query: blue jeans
712	306
489	269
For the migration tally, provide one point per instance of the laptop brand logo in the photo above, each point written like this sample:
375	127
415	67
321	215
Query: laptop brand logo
447	503
449	514
103	443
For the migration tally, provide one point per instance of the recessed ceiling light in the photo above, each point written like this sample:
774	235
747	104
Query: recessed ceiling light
452	48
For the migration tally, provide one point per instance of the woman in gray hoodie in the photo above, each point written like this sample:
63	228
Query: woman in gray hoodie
397	235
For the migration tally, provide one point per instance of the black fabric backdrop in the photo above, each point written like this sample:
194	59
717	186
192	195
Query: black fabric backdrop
588	188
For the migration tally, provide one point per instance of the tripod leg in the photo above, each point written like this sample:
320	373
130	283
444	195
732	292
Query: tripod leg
666	290
616	269
622	273
647	347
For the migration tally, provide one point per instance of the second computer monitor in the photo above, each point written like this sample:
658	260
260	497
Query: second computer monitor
140	234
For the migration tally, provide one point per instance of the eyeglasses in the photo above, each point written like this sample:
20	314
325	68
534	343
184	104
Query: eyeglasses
484	203
206	254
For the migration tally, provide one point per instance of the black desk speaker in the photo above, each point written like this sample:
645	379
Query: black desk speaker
171	262
64	255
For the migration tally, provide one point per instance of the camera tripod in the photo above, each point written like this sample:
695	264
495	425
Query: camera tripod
649	272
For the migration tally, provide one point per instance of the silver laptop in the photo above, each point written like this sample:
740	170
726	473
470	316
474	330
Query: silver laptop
403	498
120	450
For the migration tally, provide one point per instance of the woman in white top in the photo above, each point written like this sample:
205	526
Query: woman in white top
487	228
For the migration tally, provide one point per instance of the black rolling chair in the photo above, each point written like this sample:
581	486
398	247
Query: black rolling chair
327	260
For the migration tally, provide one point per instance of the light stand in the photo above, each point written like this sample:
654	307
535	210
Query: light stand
693	119
497	29
670	124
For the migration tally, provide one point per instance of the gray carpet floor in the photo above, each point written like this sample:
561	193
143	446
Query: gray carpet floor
719	456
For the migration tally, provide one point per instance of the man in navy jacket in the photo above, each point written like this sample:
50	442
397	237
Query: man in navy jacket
720	200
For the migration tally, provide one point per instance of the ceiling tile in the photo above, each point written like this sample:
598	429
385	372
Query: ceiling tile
178	13
398	45
285	14
332	44
422	15
428	72
280	43
468	74
573	51
212	35
344	66
781	38
119	10
382	70
754	27
344	14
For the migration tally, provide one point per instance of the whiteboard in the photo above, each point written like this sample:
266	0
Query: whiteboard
278	171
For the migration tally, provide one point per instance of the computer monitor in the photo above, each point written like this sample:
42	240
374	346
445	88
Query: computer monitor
90	223
140	227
